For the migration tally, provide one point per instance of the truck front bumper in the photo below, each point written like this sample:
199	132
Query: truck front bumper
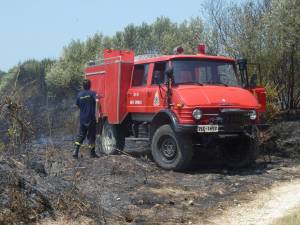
183	128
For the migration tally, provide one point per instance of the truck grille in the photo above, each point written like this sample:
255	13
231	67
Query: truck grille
234	119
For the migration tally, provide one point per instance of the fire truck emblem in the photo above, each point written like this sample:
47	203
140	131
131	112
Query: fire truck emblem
156	99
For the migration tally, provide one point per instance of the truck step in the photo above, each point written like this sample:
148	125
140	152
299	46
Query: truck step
137	139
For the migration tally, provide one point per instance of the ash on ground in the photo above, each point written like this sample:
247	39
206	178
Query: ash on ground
45	183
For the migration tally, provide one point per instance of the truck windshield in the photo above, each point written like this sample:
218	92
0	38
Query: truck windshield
191	71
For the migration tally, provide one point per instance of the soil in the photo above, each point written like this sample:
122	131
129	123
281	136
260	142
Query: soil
284	138
45	185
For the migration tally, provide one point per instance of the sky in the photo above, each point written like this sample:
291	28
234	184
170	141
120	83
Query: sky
37	29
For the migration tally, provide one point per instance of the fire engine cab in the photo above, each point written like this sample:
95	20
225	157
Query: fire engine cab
177	102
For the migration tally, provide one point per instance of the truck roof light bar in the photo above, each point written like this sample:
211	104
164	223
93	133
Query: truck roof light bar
178	50
201	48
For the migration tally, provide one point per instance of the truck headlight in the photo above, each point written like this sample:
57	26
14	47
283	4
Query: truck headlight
252	114
197	114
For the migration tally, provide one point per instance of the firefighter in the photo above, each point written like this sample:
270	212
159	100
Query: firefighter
86	101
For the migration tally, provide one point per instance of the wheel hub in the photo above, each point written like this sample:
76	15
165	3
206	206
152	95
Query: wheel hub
169	148
108	142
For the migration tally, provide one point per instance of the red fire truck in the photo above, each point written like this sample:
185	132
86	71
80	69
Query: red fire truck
178	102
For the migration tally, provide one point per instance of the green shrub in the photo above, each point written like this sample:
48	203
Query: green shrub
2	146
272	108
67	73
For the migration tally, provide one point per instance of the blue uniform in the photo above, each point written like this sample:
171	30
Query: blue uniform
86	101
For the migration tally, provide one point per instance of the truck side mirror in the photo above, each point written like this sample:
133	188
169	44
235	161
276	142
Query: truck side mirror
253	81
242	63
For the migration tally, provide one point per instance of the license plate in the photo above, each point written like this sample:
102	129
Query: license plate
208	128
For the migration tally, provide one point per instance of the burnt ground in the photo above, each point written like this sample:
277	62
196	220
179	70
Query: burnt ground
45	182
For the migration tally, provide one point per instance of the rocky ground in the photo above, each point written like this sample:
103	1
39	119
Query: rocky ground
46	186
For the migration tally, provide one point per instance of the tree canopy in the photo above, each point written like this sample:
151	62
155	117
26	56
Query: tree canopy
160	37
267	33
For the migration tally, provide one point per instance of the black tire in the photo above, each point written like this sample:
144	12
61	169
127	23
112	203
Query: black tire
240	152
171	151
112	139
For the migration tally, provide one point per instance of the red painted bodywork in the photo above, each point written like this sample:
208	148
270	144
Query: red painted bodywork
111	81
260	94
117	97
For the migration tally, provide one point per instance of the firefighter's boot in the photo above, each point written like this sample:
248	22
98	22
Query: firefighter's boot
76	152
93	153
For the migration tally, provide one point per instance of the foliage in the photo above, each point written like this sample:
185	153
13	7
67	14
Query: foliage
22	90
2	73
19	129
272	109
160	37
64	73
24	74
2	146
6	81
267	32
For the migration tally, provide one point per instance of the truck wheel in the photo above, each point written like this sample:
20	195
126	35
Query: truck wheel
112	139
240	153
171	151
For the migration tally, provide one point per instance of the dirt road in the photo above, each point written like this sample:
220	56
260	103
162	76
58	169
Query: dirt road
265	207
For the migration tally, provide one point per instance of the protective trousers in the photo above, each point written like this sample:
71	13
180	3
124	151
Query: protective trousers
86	131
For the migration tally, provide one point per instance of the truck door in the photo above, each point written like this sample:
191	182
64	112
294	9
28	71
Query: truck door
137	94
156	91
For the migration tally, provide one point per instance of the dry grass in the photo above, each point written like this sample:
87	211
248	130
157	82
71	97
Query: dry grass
292	218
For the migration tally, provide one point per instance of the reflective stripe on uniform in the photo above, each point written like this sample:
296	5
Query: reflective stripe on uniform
84	97
91	146
77	143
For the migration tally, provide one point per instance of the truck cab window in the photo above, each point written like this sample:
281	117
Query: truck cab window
209	72
158	75
140	74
